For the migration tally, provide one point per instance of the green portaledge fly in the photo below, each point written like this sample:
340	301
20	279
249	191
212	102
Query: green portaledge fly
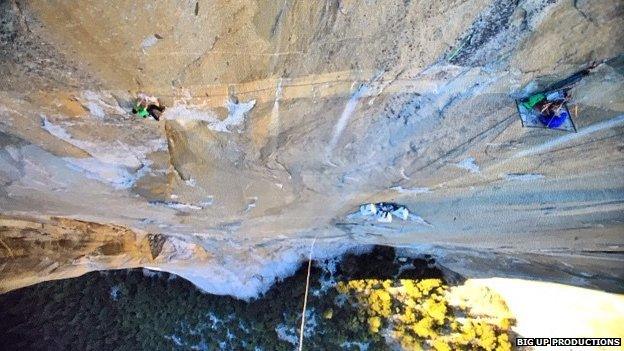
533	100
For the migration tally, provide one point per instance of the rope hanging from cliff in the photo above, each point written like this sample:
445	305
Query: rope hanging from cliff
305	297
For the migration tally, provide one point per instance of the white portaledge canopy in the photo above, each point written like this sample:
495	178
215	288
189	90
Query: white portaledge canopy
384	212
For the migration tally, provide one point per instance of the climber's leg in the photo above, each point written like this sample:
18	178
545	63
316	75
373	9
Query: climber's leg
155	111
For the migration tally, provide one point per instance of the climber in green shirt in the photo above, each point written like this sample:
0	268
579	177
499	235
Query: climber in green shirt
140	111
146	105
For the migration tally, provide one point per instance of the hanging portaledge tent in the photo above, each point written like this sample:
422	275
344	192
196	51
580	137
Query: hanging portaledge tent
546	110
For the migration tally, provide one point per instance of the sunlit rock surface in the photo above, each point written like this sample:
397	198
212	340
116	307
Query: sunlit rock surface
284	117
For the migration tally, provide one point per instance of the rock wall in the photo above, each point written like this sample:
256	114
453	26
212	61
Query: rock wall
284	117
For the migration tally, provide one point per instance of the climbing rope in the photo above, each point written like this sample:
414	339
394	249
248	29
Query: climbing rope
305	297
458	49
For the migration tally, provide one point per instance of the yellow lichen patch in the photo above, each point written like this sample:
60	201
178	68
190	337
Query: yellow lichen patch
423	327
374	323
418	314
379	300
440	345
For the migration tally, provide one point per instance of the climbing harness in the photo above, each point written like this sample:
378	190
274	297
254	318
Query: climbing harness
305	297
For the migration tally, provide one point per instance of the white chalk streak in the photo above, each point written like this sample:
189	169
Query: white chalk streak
571	137
345	116
469	164
523	177
274	123
402	190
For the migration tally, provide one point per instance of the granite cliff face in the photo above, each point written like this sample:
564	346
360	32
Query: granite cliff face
285	116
